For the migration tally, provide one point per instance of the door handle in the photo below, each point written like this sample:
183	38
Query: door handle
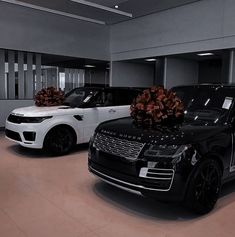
112	111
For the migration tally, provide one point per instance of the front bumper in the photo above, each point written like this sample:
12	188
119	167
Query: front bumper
29	135
163	190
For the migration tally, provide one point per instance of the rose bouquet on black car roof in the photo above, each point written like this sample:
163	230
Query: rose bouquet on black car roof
157	106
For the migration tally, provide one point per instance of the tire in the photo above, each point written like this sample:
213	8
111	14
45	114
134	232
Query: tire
204	187
59	141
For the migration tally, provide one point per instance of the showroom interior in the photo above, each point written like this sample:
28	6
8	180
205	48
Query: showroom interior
69	44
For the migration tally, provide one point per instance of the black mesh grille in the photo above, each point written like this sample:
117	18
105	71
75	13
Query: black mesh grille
13	135
119	147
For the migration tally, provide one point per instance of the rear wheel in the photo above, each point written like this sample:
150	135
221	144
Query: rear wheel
59	140
204	187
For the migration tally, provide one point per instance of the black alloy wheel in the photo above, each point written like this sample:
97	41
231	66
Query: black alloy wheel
204	187
59	141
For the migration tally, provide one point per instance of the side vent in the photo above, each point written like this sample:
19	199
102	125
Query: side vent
78	117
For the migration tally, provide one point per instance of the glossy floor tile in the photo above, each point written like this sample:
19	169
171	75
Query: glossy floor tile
44	196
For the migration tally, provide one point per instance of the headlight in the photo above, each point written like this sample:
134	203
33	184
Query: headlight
21	119
34	119
171	151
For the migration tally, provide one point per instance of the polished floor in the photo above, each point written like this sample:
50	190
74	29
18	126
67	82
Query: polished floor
43	196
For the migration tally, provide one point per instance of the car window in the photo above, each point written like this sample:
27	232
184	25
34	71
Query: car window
210	104
79	97
103	99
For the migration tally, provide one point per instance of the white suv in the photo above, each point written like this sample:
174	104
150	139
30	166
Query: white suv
58	128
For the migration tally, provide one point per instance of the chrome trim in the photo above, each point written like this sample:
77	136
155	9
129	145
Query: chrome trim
130	184
100	144
147	177
144	171
119	186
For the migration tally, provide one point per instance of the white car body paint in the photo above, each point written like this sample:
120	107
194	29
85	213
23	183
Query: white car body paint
84	129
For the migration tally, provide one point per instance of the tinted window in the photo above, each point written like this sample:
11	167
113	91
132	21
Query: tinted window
80	96
206	103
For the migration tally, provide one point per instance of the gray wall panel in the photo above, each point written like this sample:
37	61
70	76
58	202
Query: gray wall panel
11	74
132	74
181	72
203	25
42	32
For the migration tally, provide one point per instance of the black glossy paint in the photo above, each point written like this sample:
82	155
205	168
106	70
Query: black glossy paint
205	138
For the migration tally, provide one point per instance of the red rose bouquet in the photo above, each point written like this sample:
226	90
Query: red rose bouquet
156	105
49	97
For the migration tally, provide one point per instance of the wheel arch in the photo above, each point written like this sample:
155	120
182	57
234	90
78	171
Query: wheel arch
212	156
62	125
217	158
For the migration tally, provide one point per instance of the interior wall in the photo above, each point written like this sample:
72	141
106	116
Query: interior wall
202	25
132	74
159	71
98	76
210	71
36	31
181	72
8	105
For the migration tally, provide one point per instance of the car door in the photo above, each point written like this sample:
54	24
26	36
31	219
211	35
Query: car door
116	103
91	115
106	108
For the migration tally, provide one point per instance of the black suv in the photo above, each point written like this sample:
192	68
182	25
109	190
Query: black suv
184	162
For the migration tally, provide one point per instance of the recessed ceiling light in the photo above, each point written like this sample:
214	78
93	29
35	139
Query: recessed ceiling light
205	54
116	6
150	59
89	66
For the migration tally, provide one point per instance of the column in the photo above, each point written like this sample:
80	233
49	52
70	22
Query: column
3	94
29	93
21	92
38	72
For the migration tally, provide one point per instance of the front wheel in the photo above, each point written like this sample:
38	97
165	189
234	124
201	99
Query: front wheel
59	141
204	187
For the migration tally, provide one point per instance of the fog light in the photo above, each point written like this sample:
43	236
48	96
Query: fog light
29	136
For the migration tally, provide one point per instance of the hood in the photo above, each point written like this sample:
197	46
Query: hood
35	111
185	133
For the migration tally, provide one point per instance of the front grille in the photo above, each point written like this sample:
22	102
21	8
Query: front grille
15	119
160	178
118	147
13	135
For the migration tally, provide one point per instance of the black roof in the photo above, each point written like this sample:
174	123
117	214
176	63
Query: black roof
210	85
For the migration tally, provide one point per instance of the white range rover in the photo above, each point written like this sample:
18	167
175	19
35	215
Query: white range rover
59	128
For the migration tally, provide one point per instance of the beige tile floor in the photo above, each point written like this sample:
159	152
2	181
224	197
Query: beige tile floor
43	196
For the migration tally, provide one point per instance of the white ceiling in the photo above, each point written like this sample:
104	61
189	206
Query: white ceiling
136	7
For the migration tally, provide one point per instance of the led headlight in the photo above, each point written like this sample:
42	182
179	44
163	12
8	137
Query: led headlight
34	119
171	151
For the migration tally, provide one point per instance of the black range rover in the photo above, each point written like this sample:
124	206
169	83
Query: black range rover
184	162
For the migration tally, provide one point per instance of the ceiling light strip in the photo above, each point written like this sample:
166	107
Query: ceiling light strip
109	9
44	9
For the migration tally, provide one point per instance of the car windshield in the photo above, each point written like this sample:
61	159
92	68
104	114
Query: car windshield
210	104
80	96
